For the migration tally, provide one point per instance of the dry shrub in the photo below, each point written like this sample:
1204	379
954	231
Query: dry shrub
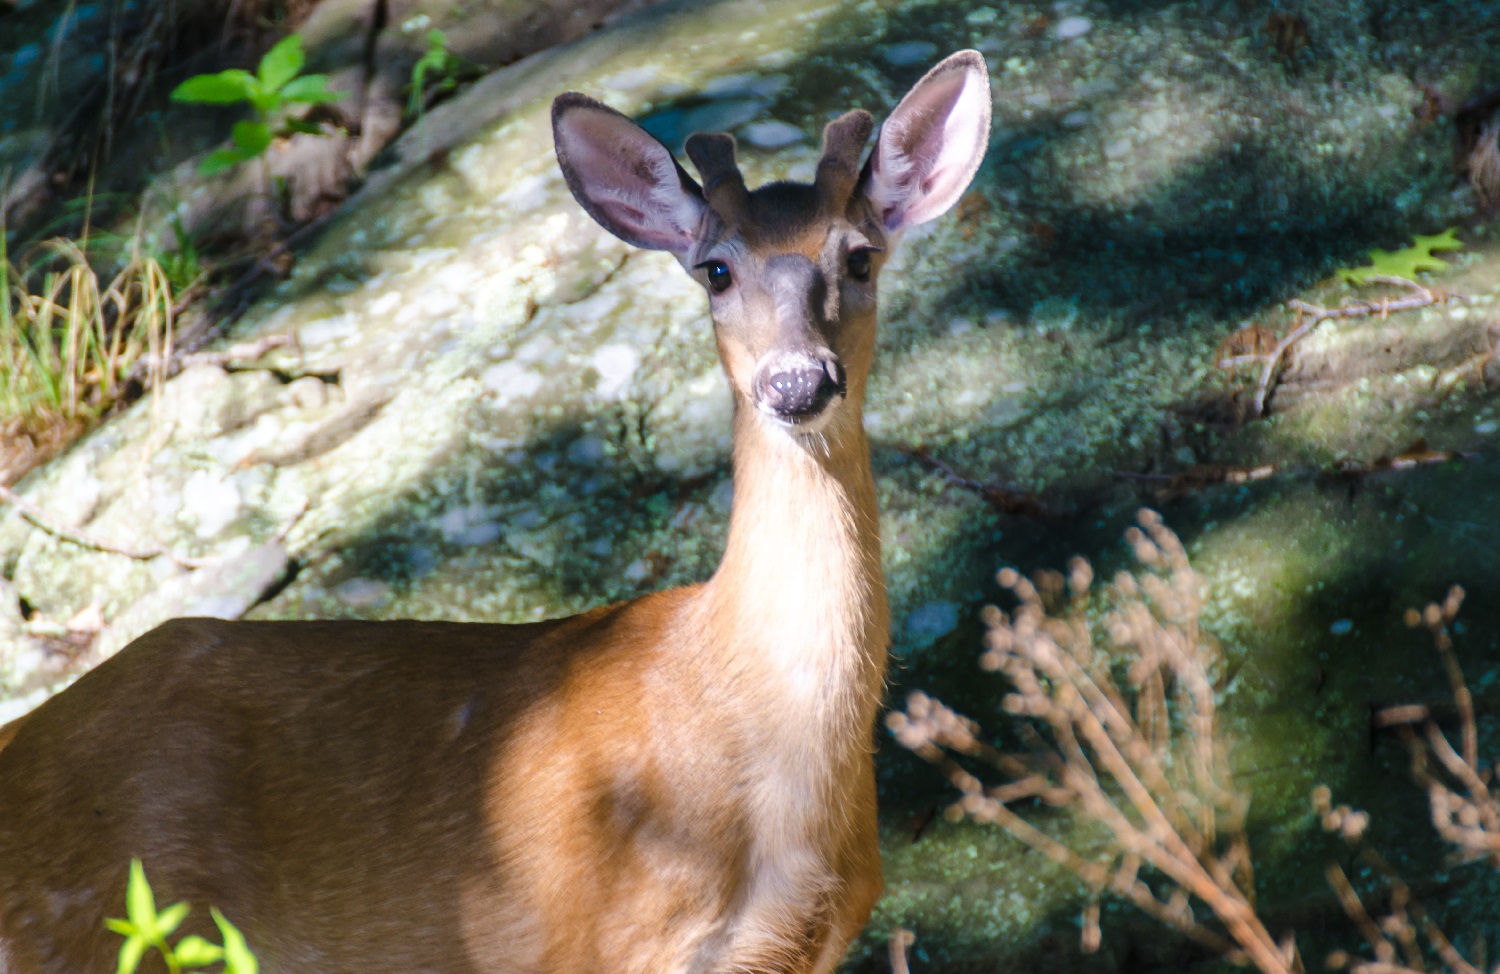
1116	705
1464	811
1118	713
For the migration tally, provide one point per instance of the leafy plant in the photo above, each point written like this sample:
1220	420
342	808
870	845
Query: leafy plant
439	69
146	928
182	267
275	85
1406	262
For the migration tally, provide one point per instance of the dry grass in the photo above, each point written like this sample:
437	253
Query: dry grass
70	342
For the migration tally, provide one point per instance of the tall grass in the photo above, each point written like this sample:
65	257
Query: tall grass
70	342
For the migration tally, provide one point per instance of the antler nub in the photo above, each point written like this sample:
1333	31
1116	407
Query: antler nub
838	170
723	186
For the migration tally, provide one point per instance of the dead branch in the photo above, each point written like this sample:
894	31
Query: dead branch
153	370
252	351
1309	316
1465	810
1354	908
1005	500
54	526
1396	930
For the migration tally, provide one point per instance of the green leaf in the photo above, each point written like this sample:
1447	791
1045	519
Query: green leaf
140	905
252	137
306	128
438	62
1406	262
170	918
221	159
194	951
281	63
265	102
237	956
122	927
224	88
131	952
311	89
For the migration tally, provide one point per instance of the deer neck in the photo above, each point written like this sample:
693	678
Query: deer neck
798	604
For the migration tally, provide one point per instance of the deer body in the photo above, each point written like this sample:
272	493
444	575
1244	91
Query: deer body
680	783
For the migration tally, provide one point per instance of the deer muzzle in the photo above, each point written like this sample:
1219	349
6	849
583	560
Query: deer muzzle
798	388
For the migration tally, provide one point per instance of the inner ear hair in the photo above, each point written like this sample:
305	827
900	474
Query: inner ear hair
623	176
932	144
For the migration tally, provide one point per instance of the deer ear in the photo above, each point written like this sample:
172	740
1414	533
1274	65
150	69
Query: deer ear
626	179
931	146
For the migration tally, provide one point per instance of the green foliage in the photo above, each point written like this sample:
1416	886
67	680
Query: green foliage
439	69
146	928
174	250
1407	262
182	267
274	87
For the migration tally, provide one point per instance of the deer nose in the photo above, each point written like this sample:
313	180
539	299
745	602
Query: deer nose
797	388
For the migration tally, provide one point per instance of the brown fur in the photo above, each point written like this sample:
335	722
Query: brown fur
8	732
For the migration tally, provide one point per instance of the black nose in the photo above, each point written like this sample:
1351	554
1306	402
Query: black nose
799	388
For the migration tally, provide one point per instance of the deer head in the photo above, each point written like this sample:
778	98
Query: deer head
790	268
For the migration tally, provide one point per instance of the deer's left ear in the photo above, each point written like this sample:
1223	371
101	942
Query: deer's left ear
626	179
931	146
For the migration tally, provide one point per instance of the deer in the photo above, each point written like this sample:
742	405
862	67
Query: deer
683	782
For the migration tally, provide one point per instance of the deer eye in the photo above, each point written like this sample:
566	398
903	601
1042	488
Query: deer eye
719	278
859	264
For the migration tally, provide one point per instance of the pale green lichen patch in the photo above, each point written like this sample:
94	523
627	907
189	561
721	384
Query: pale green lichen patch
959	885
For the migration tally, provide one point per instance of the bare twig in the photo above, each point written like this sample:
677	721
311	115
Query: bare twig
243	352
1396	929
176	361
900	940
1006	500
53	525
1354	908
1470	819
1309	316
291	522
50	523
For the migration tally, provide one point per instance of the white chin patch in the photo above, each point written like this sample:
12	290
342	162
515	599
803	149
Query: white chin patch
809	426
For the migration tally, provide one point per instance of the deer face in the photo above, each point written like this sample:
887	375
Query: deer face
790	269
792	294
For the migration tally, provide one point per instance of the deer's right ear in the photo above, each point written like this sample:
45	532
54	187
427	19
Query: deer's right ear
626	179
